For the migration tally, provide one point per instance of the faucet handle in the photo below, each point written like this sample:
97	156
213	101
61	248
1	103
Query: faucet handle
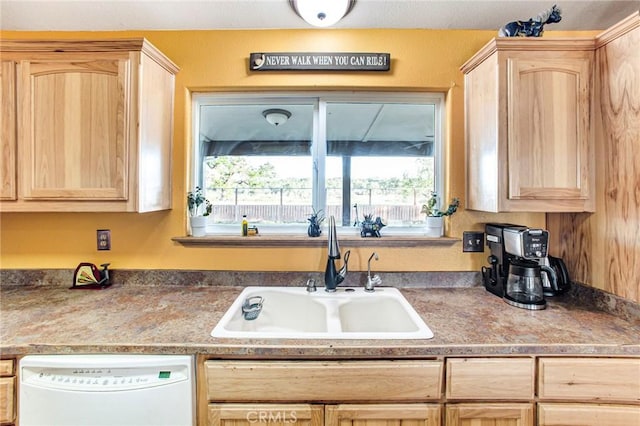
311	285
372	282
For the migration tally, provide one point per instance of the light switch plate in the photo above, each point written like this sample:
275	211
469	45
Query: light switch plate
472	241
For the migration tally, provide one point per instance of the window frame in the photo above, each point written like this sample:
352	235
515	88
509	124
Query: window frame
320	100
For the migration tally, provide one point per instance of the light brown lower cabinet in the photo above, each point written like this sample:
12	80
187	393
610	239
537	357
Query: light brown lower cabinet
322	393
324	415
588	391
559	414
7	392
455	391
489	414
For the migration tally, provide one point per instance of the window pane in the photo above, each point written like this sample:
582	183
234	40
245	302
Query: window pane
393	188
383	153
256	168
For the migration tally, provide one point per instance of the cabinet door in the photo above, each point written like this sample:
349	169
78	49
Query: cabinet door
587	415
265	414
485	159
7	399
489	414
75	126
156	133
548	128
8	131
382	414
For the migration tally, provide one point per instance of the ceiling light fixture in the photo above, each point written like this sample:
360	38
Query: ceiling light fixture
322	13
276	116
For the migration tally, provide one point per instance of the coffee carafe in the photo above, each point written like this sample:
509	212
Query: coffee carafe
524	284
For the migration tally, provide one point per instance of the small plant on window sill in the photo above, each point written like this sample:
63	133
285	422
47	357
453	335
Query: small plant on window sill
435	216
431	209
195	200
199	210
315	220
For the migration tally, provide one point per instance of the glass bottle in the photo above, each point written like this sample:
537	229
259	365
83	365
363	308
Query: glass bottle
245	226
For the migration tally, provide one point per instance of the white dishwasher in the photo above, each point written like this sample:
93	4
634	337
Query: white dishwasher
106	390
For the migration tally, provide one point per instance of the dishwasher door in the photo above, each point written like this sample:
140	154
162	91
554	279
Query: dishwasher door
106	390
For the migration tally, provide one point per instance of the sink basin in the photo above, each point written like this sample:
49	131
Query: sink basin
283	311
377	315
349	313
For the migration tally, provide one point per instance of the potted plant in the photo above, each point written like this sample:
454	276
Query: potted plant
315	220
199	209
435	216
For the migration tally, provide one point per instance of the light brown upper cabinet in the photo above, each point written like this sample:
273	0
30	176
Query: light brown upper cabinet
528	139
94	125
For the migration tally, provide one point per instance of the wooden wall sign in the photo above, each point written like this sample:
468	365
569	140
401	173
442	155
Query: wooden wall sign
319	61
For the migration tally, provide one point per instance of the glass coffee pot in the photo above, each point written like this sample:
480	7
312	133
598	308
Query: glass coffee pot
524	284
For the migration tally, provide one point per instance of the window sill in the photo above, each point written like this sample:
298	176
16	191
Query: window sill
304	241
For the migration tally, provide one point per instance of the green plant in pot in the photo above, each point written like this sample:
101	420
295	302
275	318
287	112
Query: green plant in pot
199	209
435	216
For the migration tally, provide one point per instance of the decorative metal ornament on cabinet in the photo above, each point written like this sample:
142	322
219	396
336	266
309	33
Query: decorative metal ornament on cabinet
532	27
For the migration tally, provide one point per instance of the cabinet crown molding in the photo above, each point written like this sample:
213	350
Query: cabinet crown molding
506	44
84	46
628	24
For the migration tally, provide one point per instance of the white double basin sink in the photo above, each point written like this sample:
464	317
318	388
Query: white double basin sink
348	313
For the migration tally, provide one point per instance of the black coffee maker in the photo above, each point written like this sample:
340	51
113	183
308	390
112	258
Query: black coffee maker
494	277
517	272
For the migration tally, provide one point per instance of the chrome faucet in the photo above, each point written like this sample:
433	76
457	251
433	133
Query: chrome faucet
333	277
376	280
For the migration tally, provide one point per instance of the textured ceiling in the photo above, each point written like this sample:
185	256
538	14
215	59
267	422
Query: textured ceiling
98	15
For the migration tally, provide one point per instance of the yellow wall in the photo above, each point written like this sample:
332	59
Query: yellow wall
218	60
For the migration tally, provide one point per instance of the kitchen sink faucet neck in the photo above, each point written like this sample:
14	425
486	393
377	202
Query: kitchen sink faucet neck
332	276
372	282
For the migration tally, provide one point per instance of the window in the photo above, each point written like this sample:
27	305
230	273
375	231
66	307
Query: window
346	154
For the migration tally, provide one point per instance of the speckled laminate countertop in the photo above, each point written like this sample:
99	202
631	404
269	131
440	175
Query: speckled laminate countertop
178	319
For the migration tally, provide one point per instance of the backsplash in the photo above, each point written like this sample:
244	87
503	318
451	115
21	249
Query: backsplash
64	277
588	297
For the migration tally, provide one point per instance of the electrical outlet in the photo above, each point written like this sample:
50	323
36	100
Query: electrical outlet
104	239
472	241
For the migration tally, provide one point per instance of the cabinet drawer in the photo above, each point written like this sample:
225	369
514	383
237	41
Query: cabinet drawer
606	379
587	415
6	367
343	381
490	378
